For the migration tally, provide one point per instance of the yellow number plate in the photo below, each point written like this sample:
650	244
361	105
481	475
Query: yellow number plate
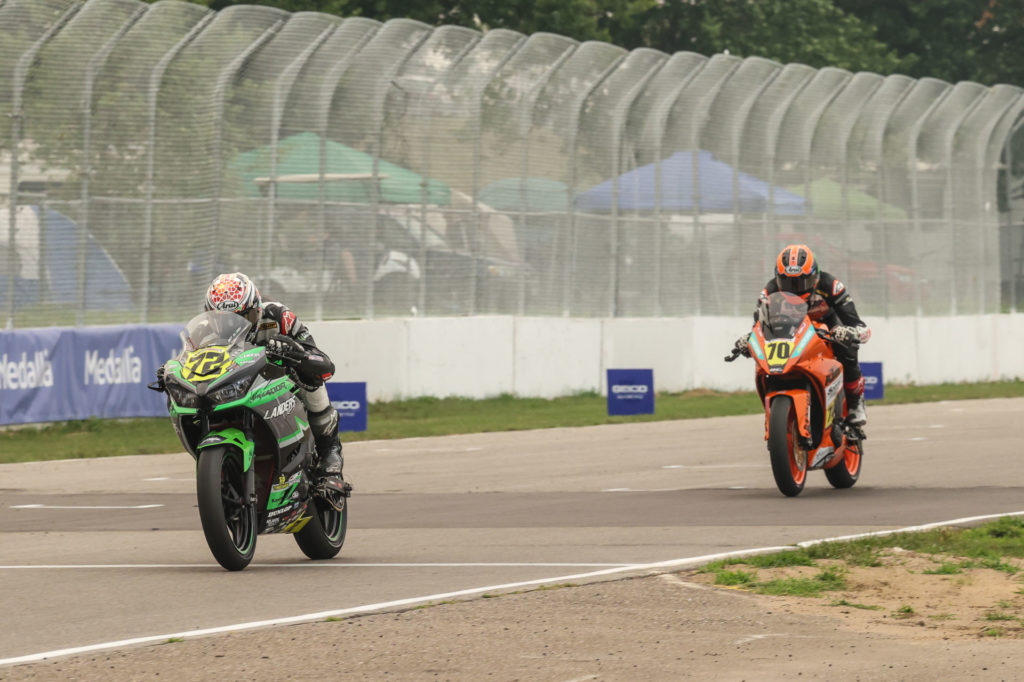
206	364
778	352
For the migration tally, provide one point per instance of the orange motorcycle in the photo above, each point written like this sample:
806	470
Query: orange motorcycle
800	383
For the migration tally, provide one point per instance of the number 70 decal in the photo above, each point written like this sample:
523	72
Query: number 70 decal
779	350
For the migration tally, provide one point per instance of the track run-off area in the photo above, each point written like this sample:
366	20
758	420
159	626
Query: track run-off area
105	553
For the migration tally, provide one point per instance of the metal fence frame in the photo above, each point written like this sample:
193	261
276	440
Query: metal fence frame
895	140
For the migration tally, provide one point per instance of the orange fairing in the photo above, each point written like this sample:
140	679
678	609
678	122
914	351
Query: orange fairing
801	405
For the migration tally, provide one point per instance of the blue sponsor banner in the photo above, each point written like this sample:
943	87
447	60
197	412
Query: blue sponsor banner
59	373
630	391
874	389
349	399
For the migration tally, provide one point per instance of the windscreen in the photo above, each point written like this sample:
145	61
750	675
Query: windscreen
781	315
214	328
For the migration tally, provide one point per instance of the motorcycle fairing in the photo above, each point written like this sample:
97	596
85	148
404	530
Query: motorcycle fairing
832	391
778	354
205	364
286	505
233	437
801	405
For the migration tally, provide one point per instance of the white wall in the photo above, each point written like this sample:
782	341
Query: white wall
481	357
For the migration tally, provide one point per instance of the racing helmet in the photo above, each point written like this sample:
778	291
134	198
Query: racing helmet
796	270
236	293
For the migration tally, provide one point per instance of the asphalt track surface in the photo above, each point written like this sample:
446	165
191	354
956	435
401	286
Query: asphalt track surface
100	551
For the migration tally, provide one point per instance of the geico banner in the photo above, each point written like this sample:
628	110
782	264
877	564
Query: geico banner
874	389
349	399
55	374
630	391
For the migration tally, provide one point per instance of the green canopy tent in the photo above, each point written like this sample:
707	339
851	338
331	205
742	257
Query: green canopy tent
826	201
348	174
533	195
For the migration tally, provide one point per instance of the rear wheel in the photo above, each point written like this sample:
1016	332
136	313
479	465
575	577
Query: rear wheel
846	472
229	523
789	459
324	534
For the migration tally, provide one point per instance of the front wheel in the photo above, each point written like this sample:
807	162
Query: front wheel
229	521
789	459
847	470
324	534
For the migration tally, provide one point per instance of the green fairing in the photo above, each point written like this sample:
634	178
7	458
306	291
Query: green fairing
269	392
231	437
174	368
296	435
279	498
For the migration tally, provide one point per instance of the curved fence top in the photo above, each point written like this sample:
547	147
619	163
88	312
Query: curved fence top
360	169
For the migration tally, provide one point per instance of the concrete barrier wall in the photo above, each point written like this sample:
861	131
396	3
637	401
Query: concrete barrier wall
481	357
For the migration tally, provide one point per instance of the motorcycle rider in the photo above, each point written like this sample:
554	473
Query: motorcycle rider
279	330
828	301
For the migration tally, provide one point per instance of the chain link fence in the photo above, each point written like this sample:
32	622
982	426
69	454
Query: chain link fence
359	169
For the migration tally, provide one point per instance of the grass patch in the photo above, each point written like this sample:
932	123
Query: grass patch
733	578
829	580
436	416
999	615
986	546
798	557
945	568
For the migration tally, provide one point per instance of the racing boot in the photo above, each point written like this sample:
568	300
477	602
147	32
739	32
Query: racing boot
328	447
856	415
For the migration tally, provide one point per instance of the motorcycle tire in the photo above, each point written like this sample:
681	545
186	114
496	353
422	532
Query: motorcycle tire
229	523
323	536
789	463
846	472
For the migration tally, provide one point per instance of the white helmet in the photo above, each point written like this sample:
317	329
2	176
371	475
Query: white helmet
236	293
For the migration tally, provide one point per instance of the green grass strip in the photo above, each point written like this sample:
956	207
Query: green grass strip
435	416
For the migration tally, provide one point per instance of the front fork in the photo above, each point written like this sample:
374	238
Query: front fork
240	439
801	405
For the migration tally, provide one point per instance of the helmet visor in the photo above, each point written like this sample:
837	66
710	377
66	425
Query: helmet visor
252	315
799	285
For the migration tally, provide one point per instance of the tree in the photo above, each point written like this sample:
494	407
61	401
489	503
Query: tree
955	40
812	32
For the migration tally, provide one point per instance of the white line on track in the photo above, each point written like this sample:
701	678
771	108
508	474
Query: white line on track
14	567
712	466
81	506
399	603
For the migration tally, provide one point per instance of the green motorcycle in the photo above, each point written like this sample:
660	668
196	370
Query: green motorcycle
236	410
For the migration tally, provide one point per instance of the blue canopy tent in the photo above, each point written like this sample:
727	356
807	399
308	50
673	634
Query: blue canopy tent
718	183
47	256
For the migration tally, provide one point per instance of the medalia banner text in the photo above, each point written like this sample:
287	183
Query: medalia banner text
56	374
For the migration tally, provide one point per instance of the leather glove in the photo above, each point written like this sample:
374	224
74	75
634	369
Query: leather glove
741	346
847	336
281	346
158	385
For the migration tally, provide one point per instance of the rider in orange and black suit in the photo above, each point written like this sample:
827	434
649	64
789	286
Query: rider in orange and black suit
828	301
